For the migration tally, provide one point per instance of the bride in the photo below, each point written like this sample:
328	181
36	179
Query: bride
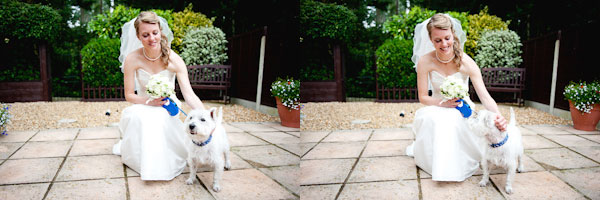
444	146
154	143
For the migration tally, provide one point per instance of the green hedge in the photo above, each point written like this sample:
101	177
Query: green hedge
28	21
108	25
100	64
327	21
479	23
394	67
206	45
499	48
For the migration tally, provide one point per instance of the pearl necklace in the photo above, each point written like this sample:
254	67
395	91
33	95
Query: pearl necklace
154	59
444	61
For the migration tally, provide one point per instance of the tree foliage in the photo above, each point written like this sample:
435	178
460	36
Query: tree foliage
394	67
28	21
479	23
324	20
100	63
185	20
499	48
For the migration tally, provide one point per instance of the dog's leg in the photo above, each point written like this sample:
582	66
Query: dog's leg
192	167
227	162
486	173
510	175
520	168
217	176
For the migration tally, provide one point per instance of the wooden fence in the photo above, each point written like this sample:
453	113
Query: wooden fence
30	90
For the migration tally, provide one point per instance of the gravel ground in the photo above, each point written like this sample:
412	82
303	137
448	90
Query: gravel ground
339	115
52	115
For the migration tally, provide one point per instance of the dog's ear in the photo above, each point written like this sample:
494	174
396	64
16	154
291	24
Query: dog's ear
213	113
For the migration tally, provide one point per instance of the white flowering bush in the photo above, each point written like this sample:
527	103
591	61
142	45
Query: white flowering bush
205	45
159	86
499	48
583	95
4	117
452	88
288	91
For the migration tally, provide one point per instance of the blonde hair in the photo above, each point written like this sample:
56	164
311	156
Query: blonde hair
150	17
443	22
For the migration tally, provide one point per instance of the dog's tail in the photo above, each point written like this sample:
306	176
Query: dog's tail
513	120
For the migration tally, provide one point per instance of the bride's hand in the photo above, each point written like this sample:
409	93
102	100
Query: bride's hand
500	122
157	102
450	103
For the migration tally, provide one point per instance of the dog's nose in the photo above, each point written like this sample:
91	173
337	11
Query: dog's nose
192	126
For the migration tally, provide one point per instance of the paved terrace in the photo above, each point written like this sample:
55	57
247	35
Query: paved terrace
78	164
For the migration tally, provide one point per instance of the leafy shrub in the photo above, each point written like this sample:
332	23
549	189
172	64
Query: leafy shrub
108	25
403	26
316	73
479	23
500	48
185	20
394	67
324	20
206	45
28	21
100	64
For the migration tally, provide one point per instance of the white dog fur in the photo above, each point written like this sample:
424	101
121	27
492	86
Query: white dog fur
199	124
505	156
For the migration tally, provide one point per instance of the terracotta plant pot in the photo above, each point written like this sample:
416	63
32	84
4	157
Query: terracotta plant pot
587	121
288	117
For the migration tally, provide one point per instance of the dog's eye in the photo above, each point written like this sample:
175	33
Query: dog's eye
191	118
202	119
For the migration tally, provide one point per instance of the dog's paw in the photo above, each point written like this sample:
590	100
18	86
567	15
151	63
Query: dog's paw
189	181
483	183
227	166
520	169
216	187
508	189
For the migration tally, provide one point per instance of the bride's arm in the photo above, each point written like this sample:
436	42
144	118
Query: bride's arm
184	82
485	97
129	67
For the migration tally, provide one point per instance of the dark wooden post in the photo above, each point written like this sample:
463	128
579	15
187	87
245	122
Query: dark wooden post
337	71
44	72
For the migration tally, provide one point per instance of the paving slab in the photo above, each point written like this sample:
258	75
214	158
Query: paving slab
536	185
529	165
277	137
386	148
547	130
99	133
319	192
335	150
305	147
312	136
381	190
526	131
29	170
537	142
93	147
570	129
325	171
246	184
24	191
8	148
294	148
231	129
423	174
595	138
55	134
254	127
590	152
571	140
173	189
43	149
243	139
91	189
285	175
393	134
468	189
278	126
17	136
91	167
586	181
559	158
384	169
348	136
266	156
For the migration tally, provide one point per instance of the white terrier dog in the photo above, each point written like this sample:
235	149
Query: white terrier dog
209	143
503	149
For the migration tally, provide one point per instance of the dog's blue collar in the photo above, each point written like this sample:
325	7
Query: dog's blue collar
203	143
497	144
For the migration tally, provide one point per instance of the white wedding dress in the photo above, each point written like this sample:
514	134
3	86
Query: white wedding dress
154	143
444	146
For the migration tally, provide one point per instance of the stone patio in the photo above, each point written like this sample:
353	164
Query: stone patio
560	163
78	164
270	161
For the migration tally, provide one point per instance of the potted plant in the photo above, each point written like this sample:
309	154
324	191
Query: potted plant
584	103
287	95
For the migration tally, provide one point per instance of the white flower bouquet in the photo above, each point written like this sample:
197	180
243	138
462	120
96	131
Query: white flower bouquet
455	88
159	86
4	118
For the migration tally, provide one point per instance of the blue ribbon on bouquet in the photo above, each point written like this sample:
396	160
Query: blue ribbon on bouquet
464	109
172	107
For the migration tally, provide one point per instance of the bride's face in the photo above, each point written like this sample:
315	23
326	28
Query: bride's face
149	34
442	40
